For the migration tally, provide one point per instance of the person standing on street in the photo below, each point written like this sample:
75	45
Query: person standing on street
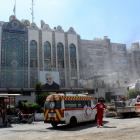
100	107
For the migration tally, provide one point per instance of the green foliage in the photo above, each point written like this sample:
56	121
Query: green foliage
31	105
38	86
132	93
42	98
28	106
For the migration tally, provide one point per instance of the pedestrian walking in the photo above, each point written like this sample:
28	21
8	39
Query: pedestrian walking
100	107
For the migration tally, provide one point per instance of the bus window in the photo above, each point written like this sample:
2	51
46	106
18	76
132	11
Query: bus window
89	103
86	103
70	104
94	102
80	104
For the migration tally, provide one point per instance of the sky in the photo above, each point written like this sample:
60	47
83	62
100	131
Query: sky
117	19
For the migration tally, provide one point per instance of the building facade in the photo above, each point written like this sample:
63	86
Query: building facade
104	66
26	49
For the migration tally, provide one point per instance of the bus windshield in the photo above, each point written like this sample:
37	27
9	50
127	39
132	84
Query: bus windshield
52	104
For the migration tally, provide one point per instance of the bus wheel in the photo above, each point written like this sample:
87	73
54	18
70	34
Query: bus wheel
54	124
73	121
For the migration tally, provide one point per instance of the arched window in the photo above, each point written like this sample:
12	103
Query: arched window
33	63
60	55
73	56
47	55
33	53
33	49
47	50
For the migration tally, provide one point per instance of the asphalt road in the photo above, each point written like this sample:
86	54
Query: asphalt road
114	129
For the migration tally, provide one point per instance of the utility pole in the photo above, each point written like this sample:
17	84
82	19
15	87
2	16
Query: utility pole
14	9
32	11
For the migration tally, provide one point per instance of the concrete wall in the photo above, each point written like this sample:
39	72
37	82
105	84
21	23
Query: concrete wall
103	63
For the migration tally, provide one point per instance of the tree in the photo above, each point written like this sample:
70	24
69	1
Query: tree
38	91
42	98
28	107
132	93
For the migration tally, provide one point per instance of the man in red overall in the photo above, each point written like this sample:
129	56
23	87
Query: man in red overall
100	106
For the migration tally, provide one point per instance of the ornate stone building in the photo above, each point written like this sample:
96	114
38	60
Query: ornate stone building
26	49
